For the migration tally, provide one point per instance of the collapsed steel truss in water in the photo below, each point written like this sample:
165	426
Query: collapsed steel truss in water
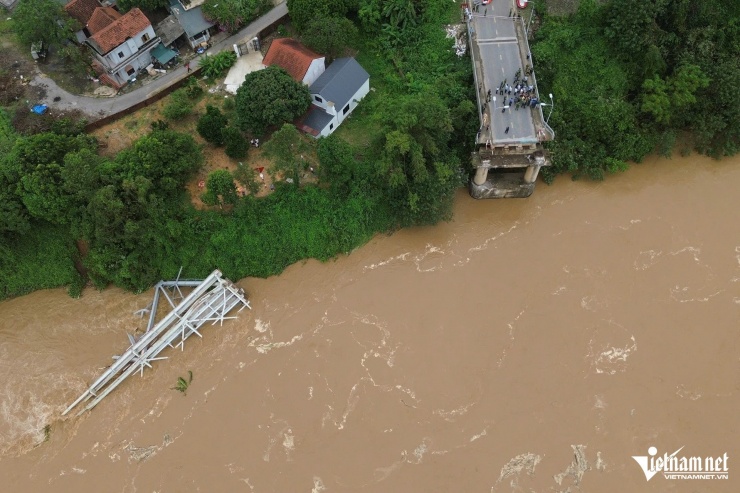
210	301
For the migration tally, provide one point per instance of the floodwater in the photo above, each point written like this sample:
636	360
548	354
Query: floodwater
527	346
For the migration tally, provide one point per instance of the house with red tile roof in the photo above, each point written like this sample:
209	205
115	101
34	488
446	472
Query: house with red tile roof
121	44
102	18
301	63
82	11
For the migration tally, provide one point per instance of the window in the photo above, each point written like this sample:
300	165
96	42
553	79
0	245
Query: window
318	99
346	109
331	126
145	38
130	70
120	54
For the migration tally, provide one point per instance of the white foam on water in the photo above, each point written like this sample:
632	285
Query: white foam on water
687	394
484	245
521	463
261	326
479	435
694	251
647	259
318	485
453	414
383	263
417	455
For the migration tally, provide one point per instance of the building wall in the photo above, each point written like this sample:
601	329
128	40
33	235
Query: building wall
354	100
325	105
316	68
136	64
128	48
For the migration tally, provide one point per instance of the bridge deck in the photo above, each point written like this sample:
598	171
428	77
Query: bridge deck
498	49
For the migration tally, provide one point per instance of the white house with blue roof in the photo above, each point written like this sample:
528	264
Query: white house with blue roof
335	95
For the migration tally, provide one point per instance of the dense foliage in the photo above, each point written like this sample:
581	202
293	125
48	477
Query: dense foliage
233	14
215	65
629	77
302	12
211	125
43	20
269	97
329	35
126	5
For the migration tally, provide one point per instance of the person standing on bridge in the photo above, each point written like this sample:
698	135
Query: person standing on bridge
507	130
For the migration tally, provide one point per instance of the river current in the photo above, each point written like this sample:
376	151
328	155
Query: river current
526	346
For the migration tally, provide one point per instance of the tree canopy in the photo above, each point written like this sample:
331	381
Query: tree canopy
287	149
233	14
302	12
210	126
43	20
269	97
329	35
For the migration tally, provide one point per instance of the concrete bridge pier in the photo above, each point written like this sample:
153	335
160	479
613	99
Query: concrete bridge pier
530	176
481	175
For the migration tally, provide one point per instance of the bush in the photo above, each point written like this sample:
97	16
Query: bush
236	144
211	125
215	65
179	105
220	188
193	88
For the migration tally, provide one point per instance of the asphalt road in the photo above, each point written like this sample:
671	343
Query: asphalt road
497	48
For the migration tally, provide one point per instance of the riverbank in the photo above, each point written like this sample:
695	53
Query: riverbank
462	356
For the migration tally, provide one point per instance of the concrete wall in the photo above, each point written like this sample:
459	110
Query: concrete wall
354	100
316	68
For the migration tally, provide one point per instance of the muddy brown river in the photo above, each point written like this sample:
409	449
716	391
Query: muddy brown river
527	346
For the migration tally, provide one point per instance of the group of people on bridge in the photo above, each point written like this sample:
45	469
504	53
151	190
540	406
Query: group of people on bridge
520	94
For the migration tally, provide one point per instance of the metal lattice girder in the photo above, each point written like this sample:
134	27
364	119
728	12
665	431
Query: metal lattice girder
210	301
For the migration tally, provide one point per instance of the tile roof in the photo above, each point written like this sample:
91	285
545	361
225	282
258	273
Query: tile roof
290	55
102	18
82	10
127	26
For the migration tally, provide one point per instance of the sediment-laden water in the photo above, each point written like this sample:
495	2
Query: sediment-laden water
528	345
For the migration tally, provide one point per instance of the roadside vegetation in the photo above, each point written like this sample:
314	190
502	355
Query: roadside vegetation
627	78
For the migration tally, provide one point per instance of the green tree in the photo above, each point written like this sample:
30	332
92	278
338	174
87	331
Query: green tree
302	12
236	145
329	35
43	20
269	97
232	14
211	125
287	149
664	99
38	161
415	161
214	65
337	165
179	106
220	188
126	5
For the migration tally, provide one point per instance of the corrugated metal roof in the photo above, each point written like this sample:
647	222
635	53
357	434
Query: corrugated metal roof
192	20
340	81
